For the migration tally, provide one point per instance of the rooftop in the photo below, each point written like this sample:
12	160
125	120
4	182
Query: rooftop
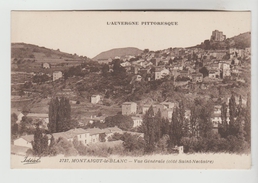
28	138
37	115
128	103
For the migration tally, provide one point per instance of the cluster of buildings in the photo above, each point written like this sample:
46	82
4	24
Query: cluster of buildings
84	136
166	109
131	109
192	63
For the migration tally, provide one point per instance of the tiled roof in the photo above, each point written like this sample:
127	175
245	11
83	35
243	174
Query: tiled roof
112	129
28	138
128	103
94	131
37	115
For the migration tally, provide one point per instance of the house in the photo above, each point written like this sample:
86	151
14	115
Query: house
166	109
145	108
167	114
217	109
104	61
213	74
187	114
94	134
161	73
239	79
156	61
225	68
237	98
236	61
214	66
235	70
135	69
177	67
138	78
216	120
19	115
79	133
38	116
184	73
24	141
46	65
129	108
137	121
110	131
197	77
42	117
125	64
95	99
170	105
248	51
57	75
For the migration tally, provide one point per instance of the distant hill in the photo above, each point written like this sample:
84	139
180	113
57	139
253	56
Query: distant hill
120	52
23	51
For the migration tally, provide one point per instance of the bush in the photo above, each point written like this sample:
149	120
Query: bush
190	144
65	147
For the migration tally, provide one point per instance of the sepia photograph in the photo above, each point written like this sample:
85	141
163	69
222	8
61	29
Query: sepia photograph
130	90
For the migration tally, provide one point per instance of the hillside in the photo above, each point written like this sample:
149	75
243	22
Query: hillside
120	52
23	51
240	41
29	58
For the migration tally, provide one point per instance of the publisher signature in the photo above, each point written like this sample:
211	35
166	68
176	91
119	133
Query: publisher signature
31	160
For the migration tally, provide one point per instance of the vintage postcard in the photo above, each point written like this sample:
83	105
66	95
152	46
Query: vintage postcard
130	90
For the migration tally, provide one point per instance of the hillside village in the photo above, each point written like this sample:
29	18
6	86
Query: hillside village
100	91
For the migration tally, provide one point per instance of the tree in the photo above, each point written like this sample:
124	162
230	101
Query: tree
194	126
205	125
118	70
247	119
232	129
53	115
59	115
176	129
14	118
149	130
26	123
164	128
204	71
21	93
146	50
104	70
158	121
119	120
132	142
223	127
44	145
207	45
37	142
14	125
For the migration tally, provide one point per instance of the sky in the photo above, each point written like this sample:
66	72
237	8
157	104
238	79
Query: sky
87	33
